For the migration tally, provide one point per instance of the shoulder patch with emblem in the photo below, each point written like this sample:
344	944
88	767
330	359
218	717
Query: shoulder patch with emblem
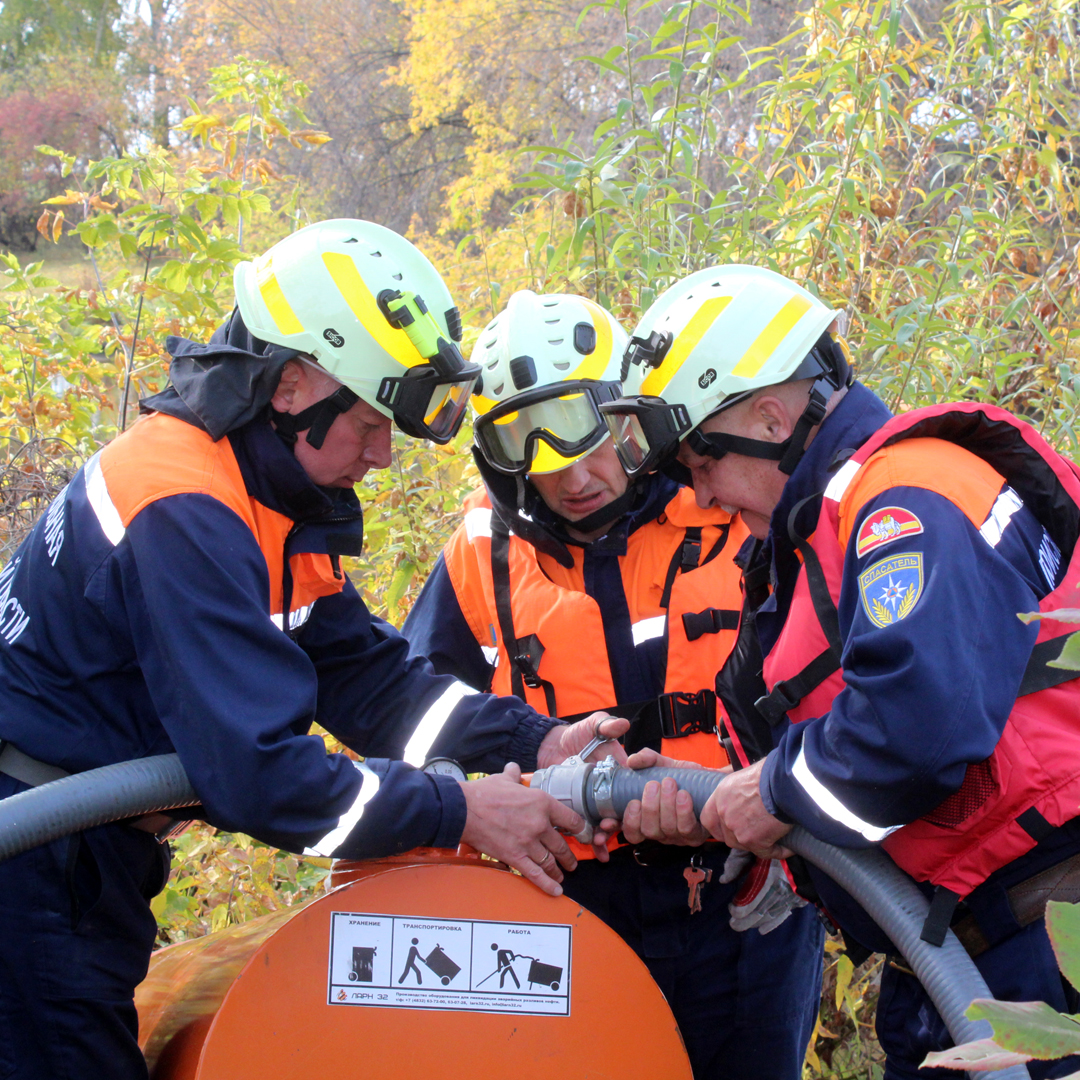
885	525
890	589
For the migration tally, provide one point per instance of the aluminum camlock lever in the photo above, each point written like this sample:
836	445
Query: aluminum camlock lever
570	782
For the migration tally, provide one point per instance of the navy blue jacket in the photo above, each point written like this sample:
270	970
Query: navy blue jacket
123	643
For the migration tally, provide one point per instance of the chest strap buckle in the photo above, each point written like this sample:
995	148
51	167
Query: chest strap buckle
684	714
697	624
528	660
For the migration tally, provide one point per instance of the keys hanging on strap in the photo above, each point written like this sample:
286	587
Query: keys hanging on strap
697	877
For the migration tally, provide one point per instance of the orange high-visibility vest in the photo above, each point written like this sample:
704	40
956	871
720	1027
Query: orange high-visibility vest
550	606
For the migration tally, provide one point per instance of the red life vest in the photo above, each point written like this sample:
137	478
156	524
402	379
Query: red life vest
1031	783
161	456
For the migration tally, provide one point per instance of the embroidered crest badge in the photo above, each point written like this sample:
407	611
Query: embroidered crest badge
885	525
890	589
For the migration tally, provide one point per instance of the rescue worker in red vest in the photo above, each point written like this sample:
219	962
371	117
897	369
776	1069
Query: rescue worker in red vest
184	593
908	706
576	590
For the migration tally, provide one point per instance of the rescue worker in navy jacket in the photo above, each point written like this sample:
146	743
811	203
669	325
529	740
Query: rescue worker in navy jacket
576	590
184	593
907	704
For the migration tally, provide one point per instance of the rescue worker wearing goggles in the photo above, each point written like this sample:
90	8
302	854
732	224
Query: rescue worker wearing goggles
576	589
184	593
907	704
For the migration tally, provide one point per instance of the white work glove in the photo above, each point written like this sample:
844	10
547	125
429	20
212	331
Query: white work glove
765	898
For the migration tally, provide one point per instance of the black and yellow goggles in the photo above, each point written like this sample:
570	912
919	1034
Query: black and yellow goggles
544	429
427	404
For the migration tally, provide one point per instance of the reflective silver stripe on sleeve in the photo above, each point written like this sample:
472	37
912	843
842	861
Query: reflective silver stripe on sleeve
101	503
1001	513
431	723
297	617
478	523
829	804
347	822
647	629
840	482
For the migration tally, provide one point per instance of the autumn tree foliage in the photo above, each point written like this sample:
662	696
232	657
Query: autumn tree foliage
79	110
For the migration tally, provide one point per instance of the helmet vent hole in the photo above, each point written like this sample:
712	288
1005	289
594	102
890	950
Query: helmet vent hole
556	341
351	240
494	363
551	322
551	303
497	390
490	342
560	365
585	338
396	277
523	372
376	254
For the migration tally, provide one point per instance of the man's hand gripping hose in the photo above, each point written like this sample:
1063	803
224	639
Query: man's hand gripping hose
602	790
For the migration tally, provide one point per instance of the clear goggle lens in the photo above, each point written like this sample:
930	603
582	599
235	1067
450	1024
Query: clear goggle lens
566	423
446	406
630	440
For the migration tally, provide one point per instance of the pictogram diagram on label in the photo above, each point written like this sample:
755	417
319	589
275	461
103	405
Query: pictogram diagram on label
469	965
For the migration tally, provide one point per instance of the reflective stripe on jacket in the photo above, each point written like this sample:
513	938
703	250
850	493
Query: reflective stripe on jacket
987	464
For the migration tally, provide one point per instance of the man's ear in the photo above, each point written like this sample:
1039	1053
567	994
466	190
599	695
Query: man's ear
771	418
285	394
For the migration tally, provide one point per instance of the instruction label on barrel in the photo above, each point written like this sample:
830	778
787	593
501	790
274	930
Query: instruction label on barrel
468	965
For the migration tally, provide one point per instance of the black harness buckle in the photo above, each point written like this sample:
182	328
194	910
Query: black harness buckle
528	660
684	714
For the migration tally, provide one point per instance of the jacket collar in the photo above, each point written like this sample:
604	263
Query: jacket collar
860	413
655	492
274	477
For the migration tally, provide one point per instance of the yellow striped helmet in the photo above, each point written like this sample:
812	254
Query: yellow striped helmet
733	329
547	363
372	310
707	343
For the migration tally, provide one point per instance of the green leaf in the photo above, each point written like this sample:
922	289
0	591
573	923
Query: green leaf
1029	1027
984	1055
1063	926
906	332
1069	658
398	584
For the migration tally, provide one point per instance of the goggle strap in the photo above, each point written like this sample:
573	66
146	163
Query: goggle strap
716	444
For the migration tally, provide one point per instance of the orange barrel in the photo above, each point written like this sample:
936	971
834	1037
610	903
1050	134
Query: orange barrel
428	965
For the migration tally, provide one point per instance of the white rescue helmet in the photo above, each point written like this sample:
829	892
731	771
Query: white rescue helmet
709	342
372	310
547	363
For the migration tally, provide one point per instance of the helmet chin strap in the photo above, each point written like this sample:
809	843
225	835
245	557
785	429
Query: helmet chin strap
788	453
315	419
516	502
